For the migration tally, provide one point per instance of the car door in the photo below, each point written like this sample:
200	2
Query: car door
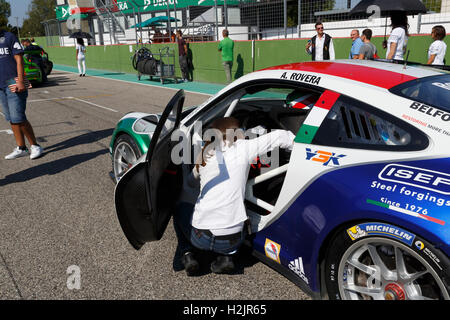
146	194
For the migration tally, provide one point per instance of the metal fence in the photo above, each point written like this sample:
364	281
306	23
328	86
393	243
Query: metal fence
119	21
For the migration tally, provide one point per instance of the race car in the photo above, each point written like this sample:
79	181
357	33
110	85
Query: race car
37	66
33	72
358	210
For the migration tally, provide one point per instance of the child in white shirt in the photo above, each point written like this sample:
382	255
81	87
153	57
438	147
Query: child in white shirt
219	213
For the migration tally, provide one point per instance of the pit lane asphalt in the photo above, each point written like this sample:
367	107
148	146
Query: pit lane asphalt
58	211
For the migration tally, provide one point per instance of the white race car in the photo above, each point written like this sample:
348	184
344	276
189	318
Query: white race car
360	209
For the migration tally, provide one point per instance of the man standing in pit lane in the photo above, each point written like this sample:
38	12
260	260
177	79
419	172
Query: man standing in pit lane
13	96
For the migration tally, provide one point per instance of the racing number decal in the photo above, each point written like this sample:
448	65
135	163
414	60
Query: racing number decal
316	116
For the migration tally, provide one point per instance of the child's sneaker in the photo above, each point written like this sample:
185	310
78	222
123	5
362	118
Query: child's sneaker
17	153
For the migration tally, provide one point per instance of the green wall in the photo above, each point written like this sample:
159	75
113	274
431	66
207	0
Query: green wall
206	60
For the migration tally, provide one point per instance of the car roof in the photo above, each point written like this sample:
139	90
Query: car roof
381	74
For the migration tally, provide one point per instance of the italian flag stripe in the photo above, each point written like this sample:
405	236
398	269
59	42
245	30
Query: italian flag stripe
316	116
306	134
405	211
327	100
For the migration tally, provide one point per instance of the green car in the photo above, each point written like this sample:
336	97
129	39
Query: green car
34	73
131	138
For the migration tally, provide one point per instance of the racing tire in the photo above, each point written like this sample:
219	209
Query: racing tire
378	261
125	154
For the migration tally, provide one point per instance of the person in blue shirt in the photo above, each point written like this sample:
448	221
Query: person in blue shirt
13	96
356	45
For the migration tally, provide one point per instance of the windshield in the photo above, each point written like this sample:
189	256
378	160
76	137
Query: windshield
433	91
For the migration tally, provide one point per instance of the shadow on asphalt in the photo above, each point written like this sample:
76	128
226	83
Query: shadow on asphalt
57	166
56	81
50	168
86	138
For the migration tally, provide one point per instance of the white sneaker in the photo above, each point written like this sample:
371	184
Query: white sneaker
36	151
17	153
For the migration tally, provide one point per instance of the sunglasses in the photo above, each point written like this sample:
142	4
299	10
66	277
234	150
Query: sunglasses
320	28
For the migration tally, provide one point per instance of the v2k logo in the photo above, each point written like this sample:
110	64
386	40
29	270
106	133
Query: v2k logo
323	157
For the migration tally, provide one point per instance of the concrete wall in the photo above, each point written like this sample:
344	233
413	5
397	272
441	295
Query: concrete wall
206	59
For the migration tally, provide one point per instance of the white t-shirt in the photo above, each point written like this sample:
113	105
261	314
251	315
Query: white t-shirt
398	35
81	50
220	204
438	48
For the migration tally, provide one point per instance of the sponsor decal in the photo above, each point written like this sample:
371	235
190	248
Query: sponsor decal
414	211
426	125
380	229
296	266
303	77
272	250
324	157
430	111
421	247
417	177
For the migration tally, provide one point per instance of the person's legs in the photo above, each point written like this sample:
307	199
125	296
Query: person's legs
226	248
182	224
80	71
84	66
227	65
183	67
16	104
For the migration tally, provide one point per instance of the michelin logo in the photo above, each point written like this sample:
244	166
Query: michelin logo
297	267
380	229
421	178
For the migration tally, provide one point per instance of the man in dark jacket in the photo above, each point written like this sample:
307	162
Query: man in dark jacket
320	47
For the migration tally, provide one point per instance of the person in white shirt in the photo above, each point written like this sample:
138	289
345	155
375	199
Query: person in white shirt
437	50
219	214
81	57
321	47
398	40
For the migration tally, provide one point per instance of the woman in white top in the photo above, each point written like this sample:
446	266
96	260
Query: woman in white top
396	44
81	57
437	50
217	221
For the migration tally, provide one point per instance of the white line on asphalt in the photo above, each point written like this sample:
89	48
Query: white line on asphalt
72	98
145	84
49	99
95	105
7	131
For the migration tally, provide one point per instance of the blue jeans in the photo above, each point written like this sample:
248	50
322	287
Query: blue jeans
189	237
13	105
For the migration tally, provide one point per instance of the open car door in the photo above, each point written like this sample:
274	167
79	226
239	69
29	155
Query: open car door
145	196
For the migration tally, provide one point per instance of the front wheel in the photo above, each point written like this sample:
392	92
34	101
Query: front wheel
377	261
125	154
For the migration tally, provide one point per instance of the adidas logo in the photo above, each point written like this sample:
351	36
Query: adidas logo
297	267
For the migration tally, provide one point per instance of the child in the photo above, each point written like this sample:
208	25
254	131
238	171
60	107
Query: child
219	213
437	50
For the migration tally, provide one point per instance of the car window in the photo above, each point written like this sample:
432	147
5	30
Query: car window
354	124
434	91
